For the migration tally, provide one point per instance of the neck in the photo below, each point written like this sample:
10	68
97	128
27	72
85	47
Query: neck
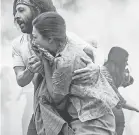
61	46
55	49
58	47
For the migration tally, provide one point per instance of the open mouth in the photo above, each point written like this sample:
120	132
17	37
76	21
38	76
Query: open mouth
21	24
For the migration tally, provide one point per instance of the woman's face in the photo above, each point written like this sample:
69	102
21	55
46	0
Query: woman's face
38	39
125	74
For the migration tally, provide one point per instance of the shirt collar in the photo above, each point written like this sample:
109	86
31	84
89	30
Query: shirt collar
61	49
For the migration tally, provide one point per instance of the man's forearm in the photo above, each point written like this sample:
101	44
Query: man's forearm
24	78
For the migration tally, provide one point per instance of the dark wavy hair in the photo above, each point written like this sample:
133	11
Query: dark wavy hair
116	63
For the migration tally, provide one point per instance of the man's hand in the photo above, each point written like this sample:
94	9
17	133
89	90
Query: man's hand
35	64
87	74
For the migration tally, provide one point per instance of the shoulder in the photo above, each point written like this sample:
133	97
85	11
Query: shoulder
77	40
71	56
104	71
17	42
80	43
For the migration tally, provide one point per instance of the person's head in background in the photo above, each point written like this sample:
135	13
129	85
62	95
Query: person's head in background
49	31
116	64
24	11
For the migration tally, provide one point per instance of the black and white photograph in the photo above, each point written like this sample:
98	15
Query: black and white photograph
69	67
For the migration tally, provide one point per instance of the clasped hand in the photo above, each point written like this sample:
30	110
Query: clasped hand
35	64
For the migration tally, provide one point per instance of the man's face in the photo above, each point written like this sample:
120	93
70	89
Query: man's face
24	18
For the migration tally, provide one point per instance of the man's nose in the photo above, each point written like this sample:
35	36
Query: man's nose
17	16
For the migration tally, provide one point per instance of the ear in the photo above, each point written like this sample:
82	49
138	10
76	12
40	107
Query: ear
50	40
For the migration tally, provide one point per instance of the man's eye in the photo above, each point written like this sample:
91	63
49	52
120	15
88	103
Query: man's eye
21	10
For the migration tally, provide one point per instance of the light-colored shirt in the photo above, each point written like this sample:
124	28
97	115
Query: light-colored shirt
20	55
91	100
21	51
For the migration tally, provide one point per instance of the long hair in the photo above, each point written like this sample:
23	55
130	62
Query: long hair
50	24
115	64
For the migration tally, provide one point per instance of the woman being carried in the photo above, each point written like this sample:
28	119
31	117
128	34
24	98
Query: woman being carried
91	102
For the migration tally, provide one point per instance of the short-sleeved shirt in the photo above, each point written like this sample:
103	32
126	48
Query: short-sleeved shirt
21	50
91	100
20	55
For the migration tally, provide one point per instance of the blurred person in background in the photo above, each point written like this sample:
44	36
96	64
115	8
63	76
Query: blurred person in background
117	66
